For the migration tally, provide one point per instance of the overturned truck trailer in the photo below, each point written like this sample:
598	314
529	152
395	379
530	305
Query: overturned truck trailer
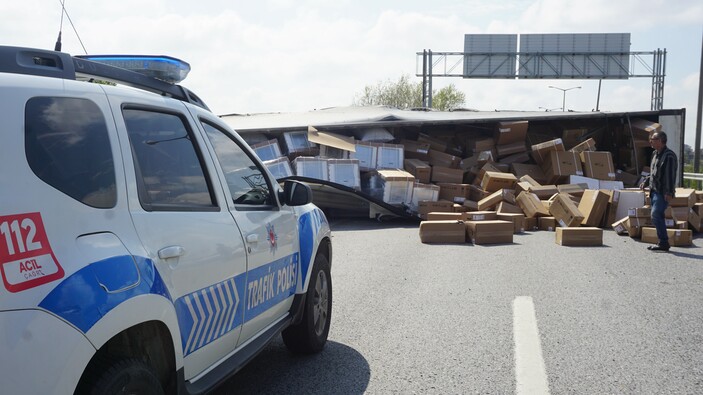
381	161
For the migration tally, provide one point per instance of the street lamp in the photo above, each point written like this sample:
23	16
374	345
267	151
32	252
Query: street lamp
563	101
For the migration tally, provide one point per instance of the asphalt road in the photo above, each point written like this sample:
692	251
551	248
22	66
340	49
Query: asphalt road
413	318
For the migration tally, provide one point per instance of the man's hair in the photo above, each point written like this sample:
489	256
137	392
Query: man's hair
662	136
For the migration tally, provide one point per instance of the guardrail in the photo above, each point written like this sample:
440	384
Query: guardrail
693	176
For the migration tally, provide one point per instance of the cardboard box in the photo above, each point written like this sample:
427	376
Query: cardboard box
583	236
421	170
476	193
642	128
366	153
588	145
572	189
531	205
434	143
683	197
535	172
389	156
481	216
626	199
449	191
423	192
425	207
267	150
628	179
443	232
397	186
677	237
448	175
565	212
344	172
444	216
441	159
491	200
493	181
490	231
415	150
510	132
611	185
504	150
508	208
528	179
634	225
640	212
540	151
619	226
543	191
598	165
591	183
311	167
297	143
572	137
561	164
546	223
484	144
279	167
592	206
518	221
471	205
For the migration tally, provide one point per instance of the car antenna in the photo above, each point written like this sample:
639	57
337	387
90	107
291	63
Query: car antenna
57	46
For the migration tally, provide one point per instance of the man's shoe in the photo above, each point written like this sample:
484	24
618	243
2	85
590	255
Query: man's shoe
658	248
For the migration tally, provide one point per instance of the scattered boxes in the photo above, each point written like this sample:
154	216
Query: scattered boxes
423	192
490	231
279	167
560	164
493	181
397	186
531	205
583	236
421	170
677	237
366	153
598	165
344	172
389	156
565	211
267	150
510	132
310	167
541	151
448	231
592	206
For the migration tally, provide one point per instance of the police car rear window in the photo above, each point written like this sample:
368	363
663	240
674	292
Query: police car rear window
67	146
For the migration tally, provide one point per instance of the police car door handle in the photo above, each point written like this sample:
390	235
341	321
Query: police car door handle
253	238
171	252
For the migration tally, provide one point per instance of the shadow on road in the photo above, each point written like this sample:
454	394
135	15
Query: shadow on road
338	369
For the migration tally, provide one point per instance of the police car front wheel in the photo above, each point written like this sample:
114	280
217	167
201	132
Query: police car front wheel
128	376
310	335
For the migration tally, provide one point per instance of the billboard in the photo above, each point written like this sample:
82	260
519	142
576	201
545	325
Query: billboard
490	55
587	55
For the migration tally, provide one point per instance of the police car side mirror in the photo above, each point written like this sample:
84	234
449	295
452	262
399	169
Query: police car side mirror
296	193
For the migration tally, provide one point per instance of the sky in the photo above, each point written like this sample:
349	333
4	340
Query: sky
301	55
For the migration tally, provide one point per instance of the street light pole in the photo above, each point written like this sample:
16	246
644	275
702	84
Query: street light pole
563	100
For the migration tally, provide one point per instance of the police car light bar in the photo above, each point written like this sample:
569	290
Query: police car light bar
164	68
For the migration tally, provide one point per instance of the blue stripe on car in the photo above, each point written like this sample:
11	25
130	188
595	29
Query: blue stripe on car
82	301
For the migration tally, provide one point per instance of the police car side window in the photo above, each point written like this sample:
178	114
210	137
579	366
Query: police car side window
170	173
245	180
67	146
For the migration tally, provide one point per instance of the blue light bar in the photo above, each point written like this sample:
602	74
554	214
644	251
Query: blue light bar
164	68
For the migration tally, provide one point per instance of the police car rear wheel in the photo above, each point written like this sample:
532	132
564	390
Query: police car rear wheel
310	335
128	376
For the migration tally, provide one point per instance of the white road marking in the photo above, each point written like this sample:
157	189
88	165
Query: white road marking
530	373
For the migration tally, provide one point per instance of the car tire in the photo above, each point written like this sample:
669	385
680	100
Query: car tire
127	376
310	335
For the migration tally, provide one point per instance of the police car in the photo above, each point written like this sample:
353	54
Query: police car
143	246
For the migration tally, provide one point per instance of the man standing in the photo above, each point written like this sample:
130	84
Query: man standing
661	181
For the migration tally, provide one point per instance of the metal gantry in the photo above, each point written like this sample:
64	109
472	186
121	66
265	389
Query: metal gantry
544	65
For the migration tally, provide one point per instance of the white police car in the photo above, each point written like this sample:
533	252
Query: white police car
143	246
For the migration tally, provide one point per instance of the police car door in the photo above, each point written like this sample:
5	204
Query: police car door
182	220
269	229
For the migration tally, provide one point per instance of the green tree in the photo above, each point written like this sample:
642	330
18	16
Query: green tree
406	94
